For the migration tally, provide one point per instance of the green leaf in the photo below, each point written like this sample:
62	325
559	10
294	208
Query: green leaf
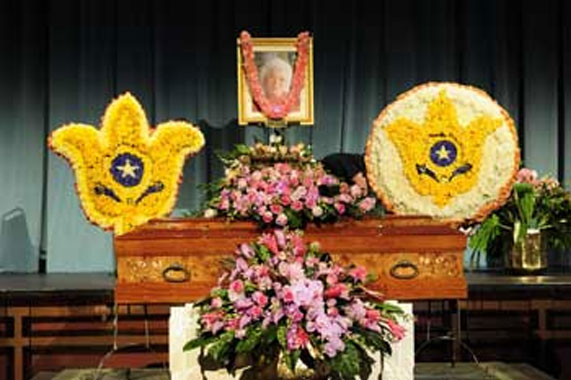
282	336
219	349
295	220
198	342
263	253
373	339
346	364
390	308
371	277
270	335
252	339
291	359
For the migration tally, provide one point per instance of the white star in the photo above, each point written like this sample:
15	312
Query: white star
128	169
443	153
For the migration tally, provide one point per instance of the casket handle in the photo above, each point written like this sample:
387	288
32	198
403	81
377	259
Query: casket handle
404	264
176	272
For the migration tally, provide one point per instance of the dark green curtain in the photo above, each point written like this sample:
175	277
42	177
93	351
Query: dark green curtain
63	60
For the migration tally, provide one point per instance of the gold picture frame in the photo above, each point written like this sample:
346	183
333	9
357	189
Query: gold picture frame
285	49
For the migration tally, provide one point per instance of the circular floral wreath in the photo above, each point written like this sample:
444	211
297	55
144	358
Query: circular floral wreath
444	150
280	109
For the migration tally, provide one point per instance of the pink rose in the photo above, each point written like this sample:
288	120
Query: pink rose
286	200
255	312
340	207
287	294
297	206
268	217
276	209
237	286
367	204
260	298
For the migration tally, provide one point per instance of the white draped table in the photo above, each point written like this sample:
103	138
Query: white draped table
184	365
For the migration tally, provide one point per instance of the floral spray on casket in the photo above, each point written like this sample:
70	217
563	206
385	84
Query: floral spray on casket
284	309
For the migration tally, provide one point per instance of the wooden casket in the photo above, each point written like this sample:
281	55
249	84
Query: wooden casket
179	260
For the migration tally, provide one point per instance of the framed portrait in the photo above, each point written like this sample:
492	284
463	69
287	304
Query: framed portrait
274	59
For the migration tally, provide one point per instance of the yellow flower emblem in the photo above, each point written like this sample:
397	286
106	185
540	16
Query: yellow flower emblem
441	158
126	173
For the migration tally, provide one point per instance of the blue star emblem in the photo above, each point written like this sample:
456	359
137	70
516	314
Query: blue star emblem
127	169
443	153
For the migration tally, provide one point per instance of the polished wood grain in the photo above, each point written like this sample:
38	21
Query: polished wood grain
178	260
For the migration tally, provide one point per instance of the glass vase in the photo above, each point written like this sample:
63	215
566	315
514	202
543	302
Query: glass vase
529	254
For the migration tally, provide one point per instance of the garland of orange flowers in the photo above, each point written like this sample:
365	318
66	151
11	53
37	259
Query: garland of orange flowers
280	109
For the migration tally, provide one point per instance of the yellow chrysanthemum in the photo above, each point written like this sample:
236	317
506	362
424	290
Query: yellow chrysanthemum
126	173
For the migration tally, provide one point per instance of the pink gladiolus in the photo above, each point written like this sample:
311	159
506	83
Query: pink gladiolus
373	315
232	324
397	330
336	290
296	338
269	240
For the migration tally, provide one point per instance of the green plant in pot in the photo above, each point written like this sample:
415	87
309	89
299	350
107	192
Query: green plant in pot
535	218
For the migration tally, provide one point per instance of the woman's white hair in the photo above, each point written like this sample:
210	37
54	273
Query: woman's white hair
276	64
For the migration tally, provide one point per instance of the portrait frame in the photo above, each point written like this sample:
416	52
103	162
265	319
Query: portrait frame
282	47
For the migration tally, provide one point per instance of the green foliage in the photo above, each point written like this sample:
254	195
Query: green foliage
345	365
219	350
253	336
544	206
201	341
373	340
291	358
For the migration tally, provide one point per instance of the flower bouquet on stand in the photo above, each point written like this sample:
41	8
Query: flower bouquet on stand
278	185
535	218
285	309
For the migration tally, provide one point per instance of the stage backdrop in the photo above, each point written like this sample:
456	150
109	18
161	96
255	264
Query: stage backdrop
63	60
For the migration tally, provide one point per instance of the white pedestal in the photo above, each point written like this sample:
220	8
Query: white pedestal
184	365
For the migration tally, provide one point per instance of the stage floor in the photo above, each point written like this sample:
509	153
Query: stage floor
423	371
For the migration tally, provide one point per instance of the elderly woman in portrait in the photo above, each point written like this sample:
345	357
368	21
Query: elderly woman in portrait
275	76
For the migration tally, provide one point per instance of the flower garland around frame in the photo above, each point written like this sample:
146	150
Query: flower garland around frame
278	110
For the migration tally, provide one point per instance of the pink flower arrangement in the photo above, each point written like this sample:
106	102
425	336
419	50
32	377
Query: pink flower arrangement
280	186
286	297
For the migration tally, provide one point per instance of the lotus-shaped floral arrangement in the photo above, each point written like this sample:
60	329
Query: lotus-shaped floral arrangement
126	173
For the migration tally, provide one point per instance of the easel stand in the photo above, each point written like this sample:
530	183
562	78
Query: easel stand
116	349
454	336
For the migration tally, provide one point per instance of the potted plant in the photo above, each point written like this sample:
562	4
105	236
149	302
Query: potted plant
535	218
286	310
